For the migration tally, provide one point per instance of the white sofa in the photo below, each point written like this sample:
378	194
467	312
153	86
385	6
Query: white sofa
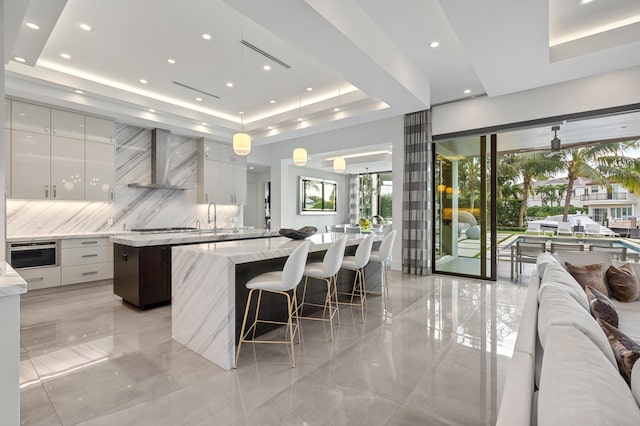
563	370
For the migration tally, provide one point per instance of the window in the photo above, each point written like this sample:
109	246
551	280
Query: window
317	196
375	195
599	215
621	212
594	189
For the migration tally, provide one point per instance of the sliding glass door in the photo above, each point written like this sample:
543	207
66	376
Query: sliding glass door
464	214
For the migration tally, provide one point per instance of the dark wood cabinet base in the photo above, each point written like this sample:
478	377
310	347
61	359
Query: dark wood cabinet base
142	275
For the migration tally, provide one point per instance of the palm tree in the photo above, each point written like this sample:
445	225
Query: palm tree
534	165
602	163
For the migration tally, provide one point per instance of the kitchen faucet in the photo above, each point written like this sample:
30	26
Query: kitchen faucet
197	224
215	215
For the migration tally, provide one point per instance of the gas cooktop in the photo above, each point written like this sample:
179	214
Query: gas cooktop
161	230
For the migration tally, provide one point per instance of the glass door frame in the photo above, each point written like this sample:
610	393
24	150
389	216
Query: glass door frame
492	204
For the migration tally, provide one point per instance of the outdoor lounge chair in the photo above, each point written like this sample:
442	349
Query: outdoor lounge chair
617	253
564	228
533	228
591	229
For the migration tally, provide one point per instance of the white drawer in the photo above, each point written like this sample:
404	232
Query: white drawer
85	273
41	277
85	242
86	255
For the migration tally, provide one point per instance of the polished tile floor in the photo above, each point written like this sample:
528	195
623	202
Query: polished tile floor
435	353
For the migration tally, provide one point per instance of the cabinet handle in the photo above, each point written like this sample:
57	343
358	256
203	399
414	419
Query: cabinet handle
30	280
111	193
46	191
125	257
206	197
90	255
46	130
90	273
53	130
89	242
55	193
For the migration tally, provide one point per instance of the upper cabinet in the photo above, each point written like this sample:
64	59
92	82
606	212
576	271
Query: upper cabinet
30	118
60	155
67	124
100	130
222	175
7	114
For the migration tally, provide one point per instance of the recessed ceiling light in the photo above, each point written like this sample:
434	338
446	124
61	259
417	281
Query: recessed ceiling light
229	84
250	167
206	36
435	44
204	124
586	1
65	55
78	91
309	89
336	109
143	81
299	119
466	92
199	99
266	67
171	61
33	26
152	110
19	59
272	101
270	127
86	27
240	112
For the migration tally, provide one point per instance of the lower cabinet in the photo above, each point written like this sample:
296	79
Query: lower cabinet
142	275
38	278
86	259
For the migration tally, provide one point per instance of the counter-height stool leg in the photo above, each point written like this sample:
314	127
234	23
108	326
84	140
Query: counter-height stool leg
277	282
383	255
357	263
325	271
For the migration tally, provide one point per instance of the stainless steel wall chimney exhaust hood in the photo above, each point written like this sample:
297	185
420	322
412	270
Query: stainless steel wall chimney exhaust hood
160	162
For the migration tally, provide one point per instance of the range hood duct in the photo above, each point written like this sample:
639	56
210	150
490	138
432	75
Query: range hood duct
160	162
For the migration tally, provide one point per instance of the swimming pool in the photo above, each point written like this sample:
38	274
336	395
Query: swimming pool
632	249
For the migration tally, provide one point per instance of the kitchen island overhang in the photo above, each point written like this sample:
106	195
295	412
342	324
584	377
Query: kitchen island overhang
208	287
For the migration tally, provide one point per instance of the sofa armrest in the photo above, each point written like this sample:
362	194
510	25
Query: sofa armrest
517	398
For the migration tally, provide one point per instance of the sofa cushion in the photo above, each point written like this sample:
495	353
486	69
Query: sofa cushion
623	282
635	381
588	275
625	349
579	387
543	260
580	258
557	308
601	307
556	276
629	318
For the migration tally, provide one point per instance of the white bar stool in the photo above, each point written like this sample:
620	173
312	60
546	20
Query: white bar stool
383	255
279	282
357	263
327	271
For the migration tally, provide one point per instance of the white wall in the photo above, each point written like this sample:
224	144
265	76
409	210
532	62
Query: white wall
254	210
586	94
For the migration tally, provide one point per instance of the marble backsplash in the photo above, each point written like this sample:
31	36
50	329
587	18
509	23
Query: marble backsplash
132	207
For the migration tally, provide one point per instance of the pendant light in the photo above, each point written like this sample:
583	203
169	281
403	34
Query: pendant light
242	140
300	154
339	163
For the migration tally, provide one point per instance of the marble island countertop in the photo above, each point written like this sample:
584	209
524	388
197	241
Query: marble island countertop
246	251
10	281
190	237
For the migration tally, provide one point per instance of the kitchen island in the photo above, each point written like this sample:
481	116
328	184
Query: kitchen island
142	261
208	292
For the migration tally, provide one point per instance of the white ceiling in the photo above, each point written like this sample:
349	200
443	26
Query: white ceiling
370	58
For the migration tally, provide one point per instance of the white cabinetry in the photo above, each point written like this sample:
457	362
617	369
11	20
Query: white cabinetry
100	130
38	278
30	165
86	259
67	168
59	155
222	175
99	171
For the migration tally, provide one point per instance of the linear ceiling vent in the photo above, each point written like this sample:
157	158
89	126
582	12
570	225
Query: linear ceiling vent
265	54
186	86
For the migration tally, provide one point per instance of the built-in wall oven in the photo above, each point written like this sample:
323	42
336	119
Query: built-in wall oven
33	254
